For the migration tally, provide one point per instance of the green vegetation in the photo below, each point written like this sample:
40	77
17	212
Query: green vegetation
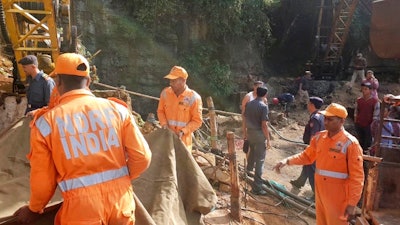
201	30
212	39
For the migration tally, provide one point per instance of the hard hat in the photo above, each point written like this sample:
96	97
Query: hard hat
275	101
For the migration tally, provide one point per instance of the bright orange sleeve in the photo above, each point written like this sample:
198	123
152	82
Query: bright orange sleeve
43	175
306	157
136	148
356	173
196	113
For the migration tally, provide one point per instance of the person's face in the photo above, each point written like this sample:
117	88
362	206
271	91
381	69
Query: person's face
333	123
29	69
365	91
256	86
177	84
369	75
310	107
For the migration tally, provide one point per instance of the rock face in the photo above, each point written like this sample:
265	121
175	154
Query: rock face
133	57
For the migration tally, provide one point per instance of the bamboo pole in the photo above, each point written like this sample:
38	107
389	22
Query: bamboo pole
213	123
235	192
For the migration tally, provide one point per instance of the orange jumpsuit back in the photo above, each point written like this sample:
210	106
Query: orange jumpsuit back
90	148
181	113
339	174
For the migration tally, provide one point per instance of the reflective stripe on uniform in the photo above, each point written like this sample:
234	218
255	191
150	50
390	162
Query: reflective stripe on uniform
332	174
192	99
345	146
43	126
123	111
176	123
92	179
317	136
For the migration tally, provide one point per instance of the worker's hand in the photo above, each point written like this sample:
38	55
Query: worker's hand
180	134
280	165
350	212
165	126
25	215
31	113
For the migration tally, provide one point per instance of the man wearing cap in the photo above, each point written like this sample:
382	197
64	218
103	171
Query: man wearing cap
339	174
370	78
40	84
359	65
315	124
91	148
366	110
256	130
304	87
180	108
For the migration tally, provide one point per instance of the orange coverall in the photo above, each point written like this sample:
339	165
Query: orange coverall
91	148
339	174
181	113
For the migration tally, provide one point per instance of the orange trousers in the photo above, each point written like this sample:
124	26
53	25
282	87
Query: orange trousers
330	200
107	203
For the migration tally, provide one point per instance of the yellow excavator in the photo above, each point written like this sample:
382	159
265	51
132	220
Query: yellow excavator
39	27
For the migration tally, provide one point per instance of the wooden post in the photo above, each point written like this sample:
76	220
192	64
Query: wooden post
213	123
235	192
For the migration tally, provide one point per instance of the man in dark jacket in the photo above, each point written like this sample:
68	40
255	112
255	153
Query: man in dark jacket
40	84
314	125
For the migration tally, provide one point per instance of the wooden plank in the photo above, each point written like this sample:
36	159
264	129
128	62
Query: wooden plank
213	123
361	221
235	190
385	216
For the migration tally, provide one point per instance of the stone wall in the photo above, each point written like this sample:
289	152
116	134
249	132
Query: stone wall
133	57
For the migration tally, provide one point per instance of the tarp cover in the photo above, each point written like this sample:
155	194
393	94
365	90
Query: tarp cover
174	190
384	30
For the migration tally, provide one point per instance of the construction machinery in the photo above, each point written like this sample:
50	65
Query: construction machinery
38	27
333	25
381	196
384	29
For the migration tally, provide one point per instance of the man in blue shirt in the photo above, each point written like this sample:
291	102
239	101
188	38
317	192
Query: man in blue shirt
40	84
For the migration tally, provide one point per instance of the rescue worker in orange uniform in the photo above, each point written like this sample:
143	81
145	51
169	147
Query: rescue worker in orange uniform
180	108
339	174
91	148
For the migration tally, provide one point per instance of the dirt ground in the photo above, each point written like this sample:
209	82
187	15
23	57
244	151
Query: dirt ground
269	209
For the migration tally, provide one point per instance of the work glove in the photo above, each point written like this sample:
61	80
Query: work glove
25	215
